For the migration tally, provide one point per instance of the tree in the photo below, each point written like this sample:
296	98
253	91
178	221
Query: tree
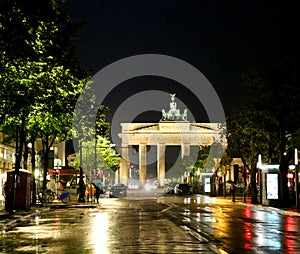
201	161
51	116
36	48
274	102
104	153
247	137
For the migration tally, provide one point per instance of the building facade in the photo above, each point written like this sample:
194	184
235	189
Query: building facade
7	162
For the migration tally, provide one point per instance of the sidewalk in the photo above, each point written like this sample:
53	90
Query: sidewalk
8	220
240	200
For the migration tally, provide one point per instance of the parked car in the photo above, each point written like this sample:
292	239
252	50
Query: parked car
118	190
169	188
133	186
183	189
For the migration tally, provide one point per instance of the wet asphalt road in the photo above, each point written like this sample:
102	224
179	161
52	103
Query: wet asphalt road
167	224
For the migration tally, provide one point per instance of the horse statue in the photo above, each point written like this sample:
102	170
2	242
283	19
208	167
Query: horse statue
184	115
164	115
173	113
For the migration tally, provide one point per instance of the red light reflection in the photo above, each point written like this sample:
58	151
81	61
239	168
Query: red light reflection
289	226
247	235
247	212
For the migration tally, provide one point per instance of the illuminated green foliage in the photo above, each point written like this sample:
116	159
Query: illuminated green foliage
40	78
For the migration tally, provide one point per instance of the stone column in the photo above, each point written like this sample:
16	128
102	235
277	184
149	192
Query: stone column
117	176
142	163
185	150
123	164
161	160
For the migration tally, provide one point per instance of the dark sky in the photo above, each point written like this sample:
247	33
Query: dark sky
220	38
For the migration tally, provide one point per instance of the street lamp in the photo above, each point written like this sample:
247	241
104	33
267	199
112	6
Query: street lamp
296	178
259	166
81	198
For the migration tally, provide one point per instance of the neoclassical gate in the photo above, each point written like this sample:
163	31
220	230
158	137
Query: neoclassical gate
172	130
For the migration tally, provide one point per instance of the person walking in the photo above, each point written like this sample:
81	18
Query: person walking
232	190
97	193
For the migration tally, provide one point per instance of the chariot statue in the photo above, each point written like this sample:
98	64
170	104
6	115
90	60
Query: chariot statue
174	113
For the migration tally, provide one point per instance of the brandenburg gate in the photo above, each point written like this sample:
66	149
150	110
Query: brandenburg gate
172	130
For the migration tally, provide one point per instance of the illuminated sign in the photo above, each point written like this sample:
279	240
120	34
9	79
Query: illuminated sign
206	184
272	186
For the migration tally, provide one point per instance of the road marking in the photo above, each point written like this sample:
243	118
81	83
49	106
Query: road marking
202	239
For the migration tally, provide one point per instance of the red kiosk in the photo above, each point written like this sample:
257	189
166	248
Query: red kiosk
22	197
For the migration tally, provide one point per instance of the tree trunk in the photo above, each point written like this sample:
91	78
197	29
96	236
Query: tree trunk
284	165
46	162
46	148
284	190
33	171
253	179
25	155
19	147
254	199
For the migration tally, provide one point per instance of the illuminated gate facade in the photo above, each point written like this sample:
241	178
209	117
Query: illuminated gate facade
162	134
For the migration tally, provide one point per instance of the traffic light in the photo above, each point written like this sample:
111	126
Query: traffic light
248	171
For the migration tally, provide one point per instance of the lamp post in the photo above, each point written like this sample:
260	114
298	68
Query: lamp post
259	166
296	178
81	198
130	171
95	153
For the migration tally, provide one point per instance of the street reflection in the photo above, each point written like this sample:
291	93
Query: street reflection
290	227
57	232
248	227
198	200
187	200
184	224
36	220
270	238
208	200
100	233
187	214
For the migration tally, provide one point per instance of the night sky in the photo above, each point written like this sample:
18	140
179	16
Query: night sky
220	38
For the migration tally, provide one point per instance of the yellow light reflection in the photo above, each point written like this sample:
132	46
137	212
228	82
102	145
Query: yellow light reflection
187	201
36	220
100	230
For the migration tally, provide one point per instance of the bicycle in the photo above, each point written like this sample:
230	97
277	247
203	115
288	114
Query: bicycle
48	196
64	197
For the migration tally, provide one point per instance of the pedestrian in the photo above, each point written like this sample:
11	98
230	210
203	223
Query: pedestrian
5	190
61	187
232	190
90	192
220	187
97	193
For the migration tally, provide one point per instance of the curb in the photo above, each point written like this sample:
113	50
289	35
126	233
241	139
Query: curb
271	208
60	206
